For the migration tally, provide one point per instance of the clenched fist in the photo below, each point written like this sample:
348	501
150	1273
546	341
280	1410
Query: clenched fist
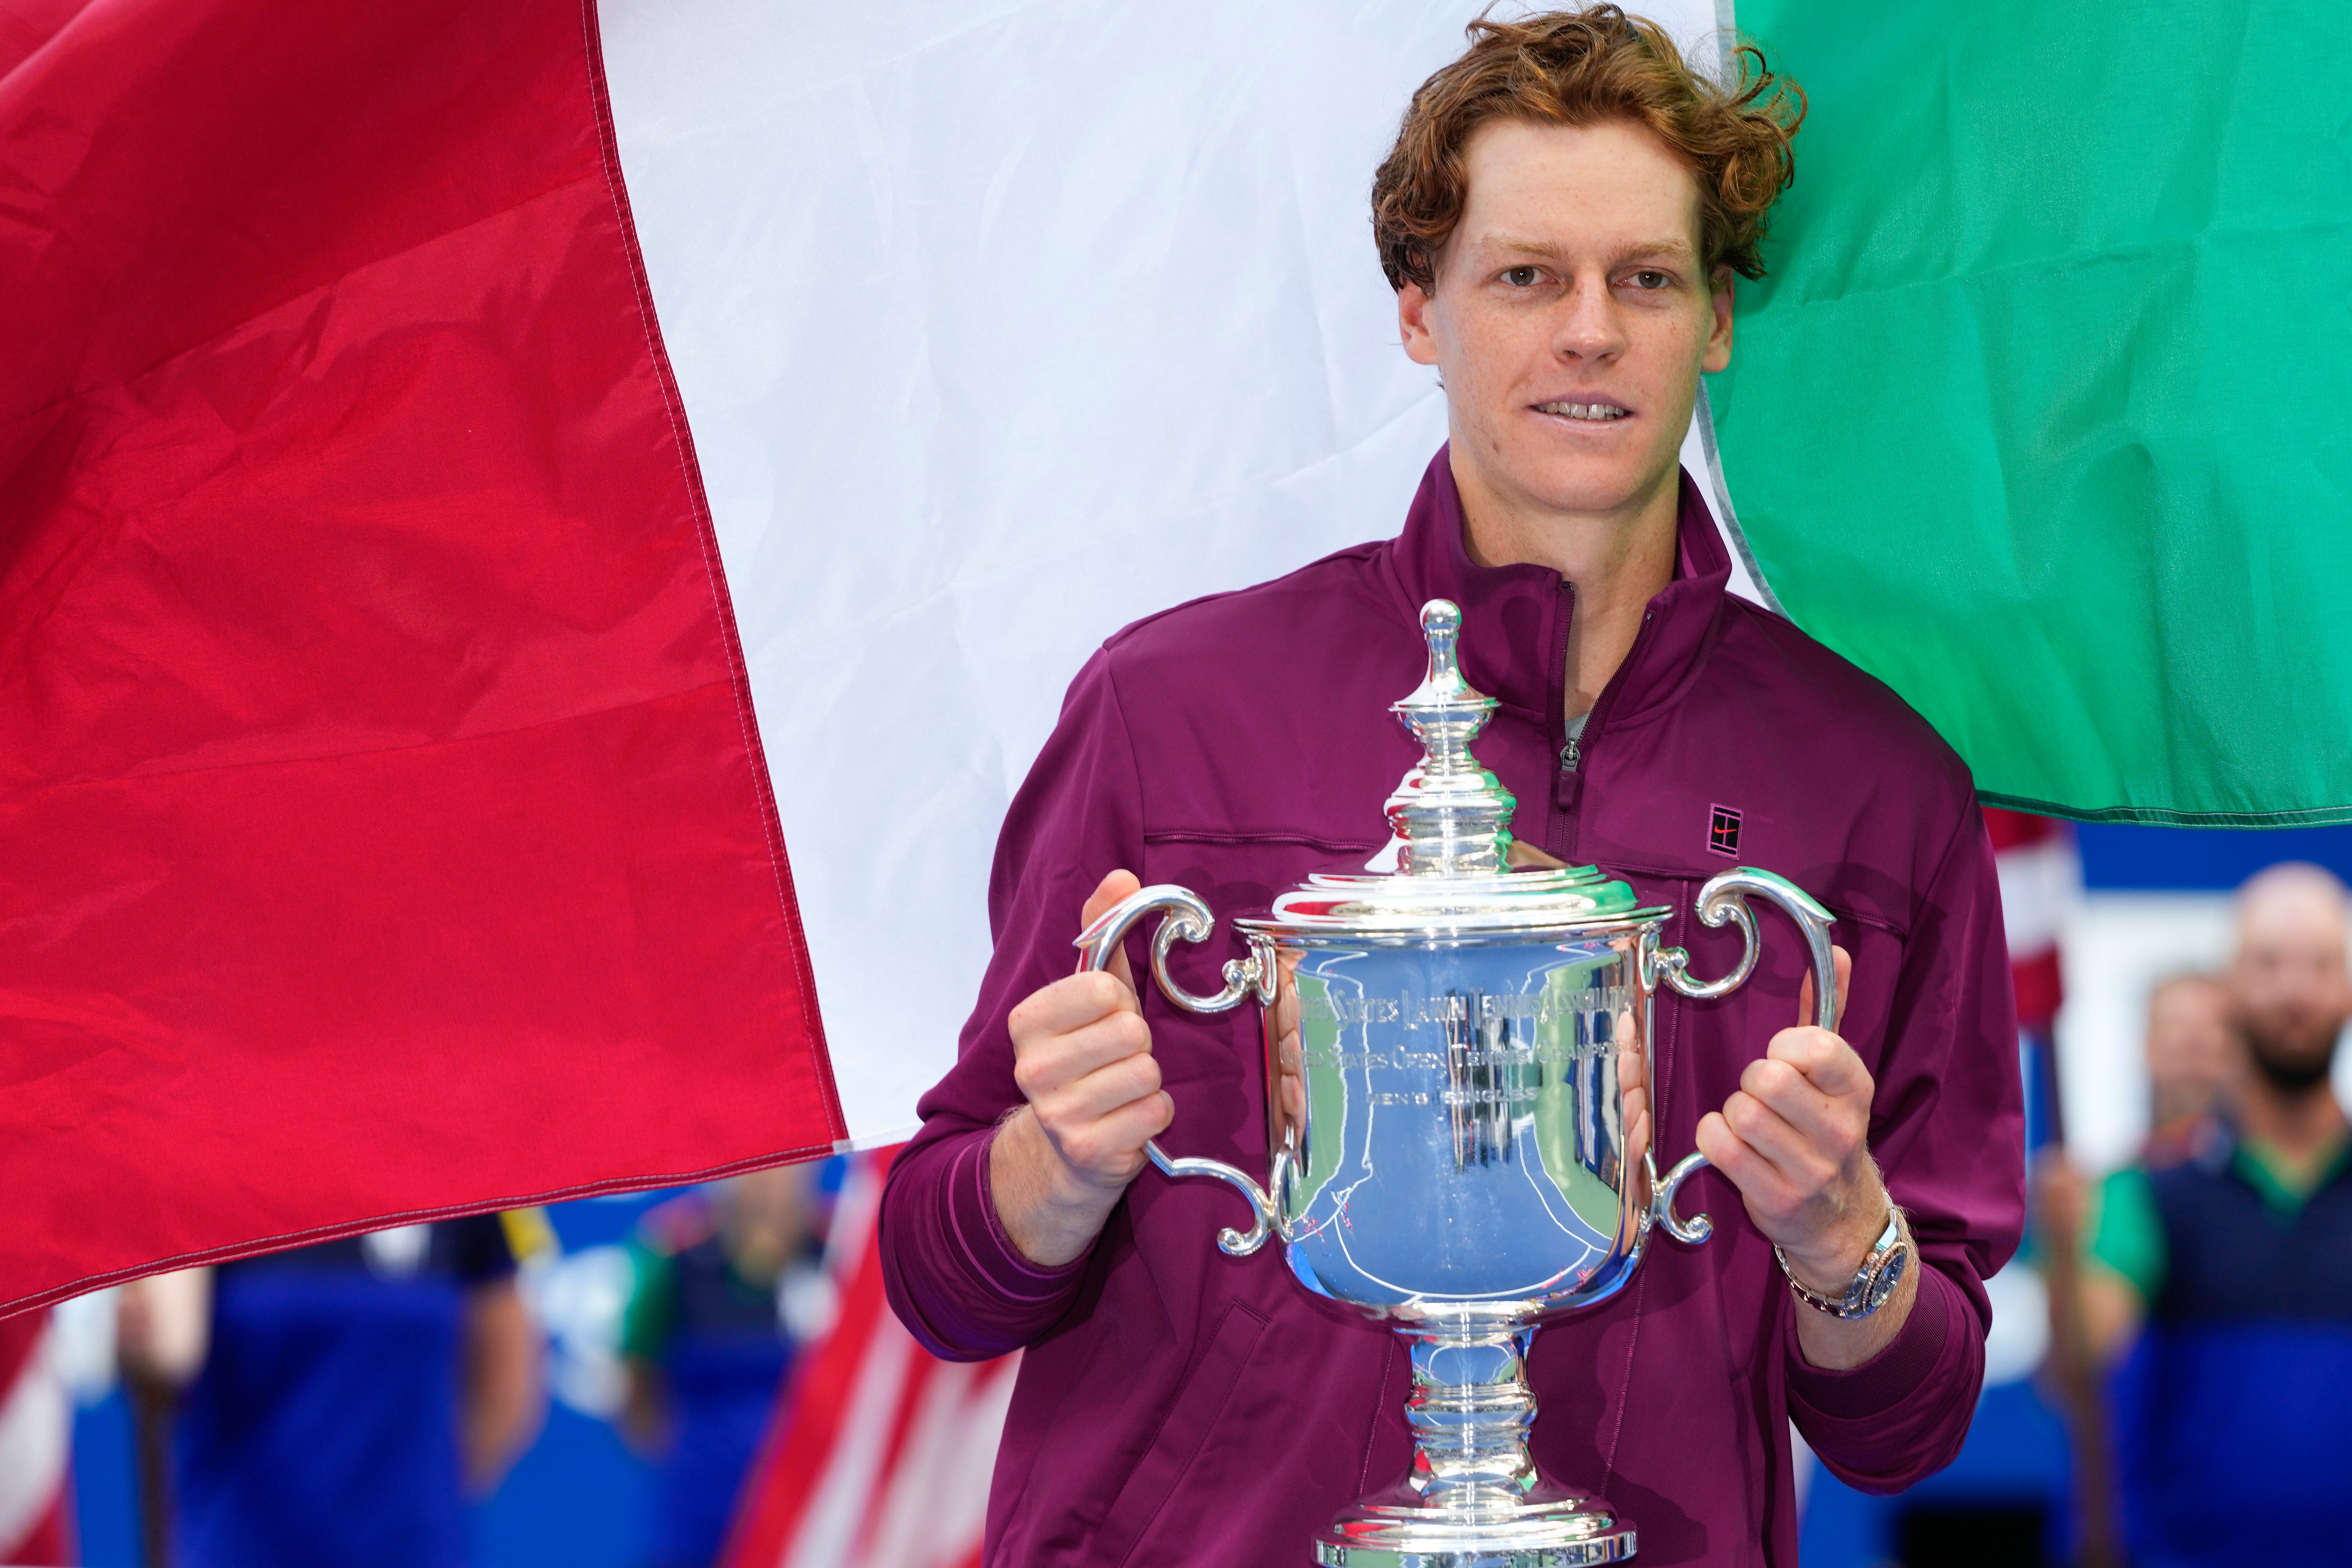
1082	1057
1794	1138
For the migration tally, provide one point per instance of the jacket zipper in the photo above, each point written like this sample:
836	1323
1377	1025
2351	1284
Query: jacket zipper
1570	793
1570	752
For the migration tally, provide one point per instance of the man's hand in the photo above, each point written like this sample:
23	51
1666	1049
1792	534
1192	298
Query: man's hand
1794	1138
2087	1298
1082	1055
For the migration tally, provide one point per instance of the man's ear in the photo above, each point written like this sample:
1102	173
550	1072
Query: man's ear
1718	332
1413	306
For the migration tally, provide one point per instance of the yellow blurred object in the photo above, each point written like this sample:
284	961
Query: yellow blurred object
530	1235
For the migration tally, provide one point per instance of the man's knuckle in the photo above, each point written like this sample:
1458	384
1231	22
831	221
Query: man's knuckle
1121	1083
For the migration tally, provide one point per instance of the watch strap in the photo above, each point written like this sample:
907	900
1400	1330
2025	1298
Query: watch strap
1882	1270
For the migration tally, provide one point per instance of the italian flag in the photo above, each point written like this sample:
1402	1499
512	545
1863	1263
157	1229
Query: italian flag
537	538
2043	415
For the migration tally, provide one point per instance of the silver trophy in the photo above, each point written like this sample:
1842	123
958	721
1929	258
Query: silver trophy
1451	1152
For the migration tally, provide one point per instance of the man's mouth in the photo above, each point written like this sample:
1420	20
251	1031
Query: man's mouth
1597	413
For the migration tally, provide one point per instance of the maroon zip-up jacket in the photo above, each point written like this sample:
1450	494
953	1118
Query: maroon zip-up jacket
1179	1406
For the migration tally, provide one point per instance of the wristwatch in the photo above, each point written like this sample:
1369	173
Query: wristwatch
1873	1282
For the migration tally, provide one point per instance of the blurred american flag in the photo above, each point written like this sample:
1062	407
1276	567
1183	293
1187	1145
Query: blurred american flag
35	1436
2041	876
881	1453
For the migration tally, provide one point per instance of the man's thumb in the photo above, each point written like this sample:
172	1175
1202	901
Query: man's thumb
1844	962
1120	884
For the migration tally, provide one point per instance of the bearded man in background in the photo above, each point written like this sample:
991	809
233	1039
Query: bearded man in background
2223	1280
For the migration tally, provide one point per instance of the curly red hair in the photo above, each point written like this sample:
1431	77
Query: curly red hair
1585	68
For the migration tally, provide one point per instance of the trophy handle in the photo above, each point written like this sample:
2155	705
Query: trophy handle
1725	898
1232	1243
1691	1231
1189	918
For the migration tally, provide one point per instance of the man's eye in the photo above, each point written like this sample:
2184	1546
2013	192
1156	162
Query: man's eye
1522	276
1651	278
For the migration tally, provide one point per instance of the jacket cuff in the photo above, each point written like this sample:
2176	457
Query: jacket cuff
978	1236
1919	1355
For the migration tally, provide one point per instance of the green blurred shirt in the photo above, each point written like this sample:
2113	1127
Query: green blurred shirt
2128	1236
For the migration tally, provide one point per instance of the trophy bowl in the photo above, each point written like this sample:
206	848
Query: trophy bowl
1456	1146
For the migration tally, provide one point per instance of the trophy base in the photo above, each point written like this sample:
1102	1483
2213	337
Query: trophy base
1566	1533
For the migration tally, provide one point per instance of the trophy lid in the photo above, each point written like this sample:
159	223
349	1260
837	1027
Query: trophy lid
1450	821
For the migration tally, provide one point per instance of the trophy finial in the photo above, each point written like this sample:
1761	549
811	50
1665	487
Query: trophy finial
1451	817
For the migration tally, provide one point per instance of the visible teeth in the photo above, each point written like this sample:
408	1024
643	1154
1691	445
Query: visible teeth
1601	411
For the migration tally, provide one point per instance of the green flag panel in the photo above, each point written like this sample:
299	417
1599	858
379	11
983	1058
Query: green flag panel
2044	414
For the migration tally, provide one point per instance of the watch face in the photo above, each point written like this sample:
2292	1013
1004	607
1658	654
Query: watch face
1888	1277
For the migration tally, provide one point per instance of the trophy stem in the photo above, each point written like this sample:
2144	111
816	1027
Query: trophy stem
1475	1498
1470	1410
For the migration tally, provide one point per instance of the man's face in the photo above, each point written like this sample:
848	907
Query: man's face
1572	318
763	1213
2288	988
2189	1045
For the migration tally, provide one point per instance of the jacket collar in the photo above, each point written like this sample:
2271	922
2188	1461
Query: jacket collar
1515	618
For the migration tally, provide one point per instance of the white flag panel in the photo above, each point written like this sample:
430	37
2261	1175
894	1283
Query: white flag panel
1000	326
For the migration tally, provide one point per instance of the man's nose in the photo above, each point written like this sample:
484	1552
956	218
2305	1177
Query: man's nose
1589	327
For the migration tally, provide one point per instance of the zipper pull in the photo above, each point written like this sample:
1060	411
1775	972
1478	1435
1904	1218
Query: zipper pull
1571	754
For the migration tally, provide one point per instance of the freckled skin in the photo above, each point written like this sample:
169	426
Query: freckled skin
1574	276
1575	269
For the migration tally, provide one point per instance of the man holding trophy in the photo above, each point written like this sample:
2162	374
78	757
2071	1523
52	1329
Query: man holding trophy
1472	1052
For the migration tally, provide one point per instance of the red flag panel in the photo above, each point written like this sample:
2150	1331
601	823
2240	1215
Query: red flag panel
383	829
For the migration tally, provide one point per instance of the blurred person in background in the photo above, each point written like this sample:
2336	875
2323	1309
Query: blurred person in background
340	1402
2192	1056
2220	1267
706	1343
2193	1059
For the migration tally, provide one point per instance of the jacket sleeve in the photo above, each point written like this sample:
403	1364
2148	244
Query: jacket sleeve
1947	1128
953	1276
